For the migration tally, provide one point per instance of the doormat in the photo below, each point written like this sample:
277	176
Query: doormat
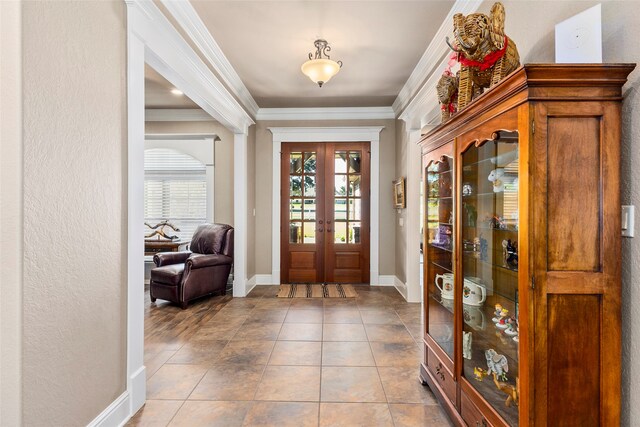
316	291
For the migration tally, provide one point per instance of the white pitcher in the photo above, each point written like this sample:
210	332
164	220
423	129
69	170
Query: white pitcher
444	282
473	292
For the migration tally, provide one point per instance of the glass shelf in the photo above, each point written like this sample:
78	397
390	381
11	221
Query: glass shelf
444	267
468	255
442	248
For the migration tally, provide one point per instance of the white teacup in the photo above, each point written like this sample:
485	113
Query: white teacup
473	292
444	282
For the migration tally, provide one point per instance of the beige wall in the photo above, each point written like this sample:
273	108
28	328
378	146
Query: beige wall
223	188
74	288
264	154
10	215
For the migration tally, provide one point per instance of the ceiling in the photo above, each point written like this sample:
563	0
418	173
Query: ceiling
157	92
380	43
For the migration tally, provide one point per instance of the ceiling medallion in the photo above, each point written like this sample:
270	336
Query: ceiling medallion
320	67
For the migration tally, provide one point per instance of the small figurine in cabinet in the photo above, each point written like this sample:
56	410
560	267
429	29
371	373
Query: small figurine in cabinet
472	215
512	254
502	323
510	390
479	373
466	345
497	363
484	248
496	318
496	178
512	326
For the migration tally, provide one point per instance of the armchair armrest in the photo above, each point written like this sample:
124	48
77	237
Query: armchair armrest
168	258
196	261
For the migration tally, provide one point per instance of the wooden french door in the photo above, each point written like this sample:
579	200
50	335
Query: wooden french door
325	212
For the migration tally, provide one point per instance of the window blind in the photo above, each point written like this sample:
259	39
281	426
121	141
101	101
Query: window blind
175	189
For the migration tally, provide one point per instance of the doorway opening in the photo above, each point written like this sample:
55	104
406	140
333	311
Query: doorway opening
325	212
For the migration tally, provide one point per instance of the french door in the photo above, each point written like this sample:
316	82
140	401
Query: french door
325	212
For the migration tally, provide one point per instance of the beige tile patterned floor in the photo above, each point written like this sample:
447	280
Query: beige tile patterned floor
267	361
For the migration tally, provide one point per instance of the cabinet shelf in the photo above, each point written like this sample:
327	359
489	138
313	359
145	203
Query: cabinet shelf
468	255
448	269
438	173
442	248
471	196
433	199
507	230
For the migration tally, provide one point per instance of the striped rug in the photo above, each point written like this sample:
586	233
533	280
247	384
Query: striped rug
316	291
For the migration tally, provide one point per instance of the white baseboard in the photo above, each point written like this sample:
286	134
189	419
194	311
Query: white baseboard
385	280
137	389
116	414
251	283
264	279
401	287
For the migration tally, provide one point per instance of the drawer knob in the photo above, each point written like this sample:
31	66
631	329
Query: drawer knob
439	371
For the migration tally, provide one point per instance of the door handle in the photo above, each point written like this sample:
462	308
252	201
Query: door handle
320	221
320	230
328	230
328	221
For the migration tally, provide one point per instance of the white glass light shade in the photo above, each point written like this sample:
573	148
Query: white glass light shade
320	71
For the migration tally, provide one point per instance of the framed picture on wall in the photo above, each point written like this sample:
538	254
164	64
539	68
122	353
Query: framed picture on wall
398	194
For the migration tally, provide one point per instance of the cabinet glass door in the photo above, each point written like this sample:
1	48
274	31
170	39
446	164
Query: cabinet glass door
489	212
439	251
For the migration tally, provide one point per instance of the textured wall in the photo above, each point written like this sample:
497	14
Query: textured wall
74	124
264	153
223	191
10	215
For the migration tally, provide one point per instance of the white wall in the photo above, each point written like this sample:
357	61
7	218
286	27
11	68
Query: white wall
74	285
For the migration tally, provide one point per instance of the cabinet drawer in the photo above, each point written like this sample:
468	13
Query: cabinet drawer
442	376
470	414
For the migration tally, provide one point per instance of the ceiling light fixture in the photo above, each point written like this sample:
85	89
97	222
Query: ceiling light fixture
318	68
176	92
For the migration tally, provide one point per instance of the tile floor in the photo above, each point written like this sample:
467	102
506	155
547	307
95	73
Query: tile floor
267	361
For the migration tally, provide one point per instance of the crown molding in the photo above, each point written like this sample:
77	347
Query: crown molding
176	115
169	54
431	63
326	134
187	17
333	113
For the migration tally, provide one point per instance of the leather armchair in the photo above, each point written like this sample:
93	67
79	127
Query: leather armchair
184	276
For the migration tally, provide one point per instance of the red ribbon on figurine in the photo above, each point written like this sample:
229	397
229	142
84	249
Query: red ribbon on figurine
487	61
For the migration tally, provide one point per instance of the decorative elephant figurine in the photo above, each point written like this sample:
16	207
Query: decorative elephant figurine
485	53
497	363
447	89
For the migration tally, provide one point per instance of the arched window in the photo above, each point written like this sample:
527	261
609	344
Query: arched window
175	189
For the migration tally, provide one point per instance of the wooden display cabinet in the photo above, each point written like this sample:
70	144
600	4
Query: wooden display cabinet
523	251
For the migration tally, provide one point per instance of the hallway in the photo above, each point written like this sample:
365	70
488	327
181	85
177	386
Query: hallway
262	361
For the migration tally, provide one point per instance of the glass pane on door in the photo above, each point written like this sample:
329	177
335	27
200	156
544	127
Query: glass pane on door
302	197
439	235
347	201
490	271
